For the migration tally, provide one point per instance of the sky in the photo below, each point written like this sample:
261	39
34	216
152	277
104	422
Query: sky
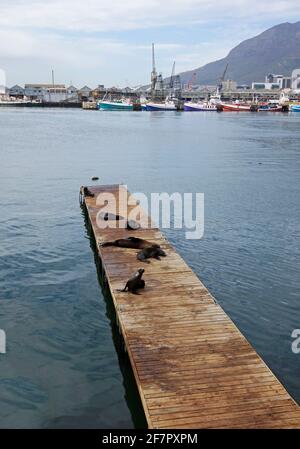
91	42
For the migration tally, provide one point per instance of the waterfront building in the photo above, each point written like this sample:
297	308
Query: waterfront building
72	92
284	82
265	86
16	91
3	90
229	85
296	79
243	87
272	78
85	93
98	92
51	93
46	92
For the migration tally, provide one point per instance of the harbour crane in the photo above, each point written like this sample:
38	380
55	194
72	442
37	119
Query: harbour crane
221	79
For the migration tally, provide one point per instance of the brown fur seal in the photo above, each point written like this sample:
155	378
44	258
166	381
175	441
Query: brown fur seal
86	192
108	216
154	251
130	224
135	282
130	242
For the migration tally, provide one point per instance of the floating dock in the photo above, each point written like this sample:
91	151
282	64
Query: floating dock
193	367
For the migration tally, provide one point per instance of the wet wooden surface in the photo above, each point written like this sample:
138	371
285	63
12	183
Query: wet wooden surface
192	366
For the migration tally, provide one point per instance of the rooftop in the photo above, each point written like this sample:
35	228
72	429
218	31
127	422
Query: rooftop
46	86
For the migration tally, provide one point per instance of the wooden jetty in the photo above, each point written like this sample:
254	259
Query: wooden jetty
193	367
89	105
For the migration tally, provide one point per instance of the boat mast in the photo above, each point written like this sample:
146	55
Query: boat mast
172	76
153	73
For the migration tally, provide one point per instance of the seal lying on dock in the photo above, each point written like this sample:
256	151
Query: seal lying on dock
130	224
108	216
135	282
130	242
86	192
154	251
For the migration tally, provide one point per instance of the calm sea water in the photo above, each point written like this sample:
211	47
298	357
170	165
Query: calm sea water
63	367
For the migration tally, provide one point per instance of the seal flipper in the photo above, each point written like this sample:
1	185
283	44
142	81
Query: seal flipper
124	289
140	256
107	244
133	225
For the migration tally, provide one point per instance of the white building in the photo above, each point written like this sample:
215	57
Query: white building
46	92
4	90
296	79
51	93
72	93
284	82
265	86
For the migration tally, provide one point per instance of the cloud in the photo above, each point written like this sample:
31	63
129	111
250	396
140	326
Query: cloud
95	41
120	15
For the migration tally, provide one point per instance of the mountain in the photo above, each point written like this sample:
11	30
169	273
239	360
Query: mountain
276	50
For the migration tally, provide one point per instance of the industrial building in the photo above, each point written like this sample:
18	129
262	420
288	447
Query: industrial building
51	93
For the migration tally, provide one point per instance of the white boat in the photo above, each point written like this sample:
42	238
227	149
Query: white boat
191	106
165	106
215	99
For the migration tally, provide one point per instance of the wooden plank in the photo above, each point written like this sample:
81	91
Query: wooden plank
192	366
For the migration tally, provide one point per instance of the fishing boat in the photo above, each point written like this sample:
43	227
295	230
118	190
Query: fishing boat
295	107
236	107
215	99
190	106
165	106
117	105
270	108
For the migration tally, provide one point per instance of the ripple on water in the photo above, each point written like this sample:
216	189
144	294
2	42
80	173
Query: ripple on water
61	368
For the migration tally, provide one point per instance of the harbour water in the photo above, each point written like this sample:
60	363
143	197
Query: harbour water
64	366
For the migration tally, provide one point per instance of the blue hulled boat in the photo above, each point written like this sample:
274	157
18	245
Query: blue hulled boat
121	105
295	107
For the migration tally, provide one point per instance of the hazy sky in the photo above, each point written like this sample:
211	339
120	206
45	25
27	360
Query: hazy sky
109	42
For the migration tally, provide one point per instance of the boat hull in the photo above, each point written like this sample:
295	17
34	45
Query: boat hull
270	109
112	106
160	107
194	107
236	108
295	108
